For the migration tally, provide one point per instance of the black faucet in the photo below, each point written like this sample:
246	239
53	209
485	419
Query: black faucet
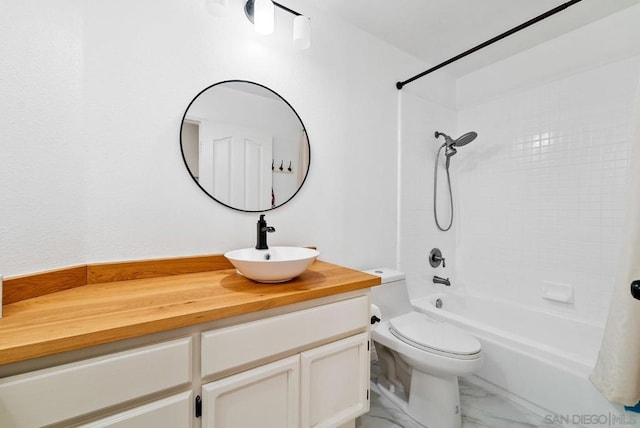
262	233
438	280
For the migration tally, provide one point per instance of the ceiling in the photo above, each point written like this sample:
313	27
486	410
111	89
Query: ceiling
435	30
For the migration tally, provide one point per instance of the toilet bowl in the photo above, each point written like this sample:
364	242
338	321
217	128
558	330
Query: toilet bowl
420	358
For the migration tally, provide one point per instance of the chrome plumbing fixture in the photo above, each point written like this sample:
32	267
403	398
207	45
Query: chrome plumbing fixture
435	258
450	149
438	280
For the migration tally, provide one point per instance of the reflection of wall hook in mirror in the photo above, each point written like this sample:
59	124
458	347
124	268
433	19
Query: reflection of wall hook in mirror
281	169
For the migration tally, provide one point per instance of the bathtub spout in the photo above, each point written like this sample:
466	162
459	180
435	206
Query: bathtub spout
438	280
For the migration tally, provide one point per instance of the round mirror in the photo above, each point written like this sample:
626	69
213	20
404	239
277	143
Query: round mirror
245	146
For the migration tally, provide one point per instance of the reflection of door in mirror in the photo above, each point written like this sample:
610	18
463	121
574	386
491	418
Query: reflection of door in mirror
234	164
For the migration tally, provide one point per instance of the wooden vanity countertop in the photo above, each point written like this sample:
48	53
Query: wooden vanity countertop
127	300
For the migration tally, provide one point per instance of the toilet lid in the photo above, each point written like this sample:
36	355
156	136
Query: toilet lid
430	335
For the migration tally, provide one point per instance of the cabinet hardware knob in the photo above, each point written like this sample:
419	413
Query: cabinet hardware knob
635	289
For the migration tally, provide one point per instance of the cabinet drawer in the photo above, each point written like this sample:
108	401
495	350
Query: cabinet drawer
234	346
59	393
170	412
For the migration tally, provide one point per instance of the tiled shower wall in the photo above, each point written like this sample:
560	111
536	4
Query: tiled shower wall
541	193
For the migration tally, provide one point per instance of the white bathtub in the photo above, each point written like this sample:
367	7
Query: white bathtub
540	357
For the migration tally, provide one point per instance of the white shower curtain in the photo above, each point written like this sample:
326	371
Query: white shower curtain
617	370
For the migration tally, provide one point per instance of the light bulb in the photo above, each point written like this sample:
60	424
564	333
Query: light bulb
263	16
301	32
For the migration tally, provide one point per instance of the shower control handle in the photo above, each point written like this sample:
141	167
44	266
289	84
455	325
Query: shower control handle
435	258
635	289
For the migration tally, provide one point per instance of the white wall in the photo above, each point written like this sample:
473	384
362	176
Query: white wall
98	175
42	152
542	190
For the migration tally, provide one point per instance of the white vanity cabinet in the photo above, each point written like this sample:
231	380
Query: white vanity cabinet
323	387
302	365
324	384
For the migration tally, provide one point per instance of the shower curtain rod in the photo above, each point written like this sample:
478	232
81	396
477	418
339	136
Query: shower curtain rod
530	22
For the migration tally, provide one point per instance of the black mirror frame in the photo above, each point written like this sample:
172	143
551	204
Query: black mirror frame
281	98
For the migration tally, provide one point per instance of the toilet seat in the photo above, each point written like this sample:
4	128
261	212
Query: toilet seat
432	336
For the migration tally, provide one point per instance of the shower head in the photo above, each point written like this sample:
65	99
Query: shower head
450	150
465	139
461	141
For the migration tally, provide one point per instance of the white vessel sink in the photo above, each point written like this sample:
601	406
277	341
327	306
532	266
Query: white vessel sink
277	264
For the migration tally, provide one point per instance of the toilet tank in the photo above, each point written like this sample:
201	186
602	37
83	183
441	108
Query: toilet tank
391	296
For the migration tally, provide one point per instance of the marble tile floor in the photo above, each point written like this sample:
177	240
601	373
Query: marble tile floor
480	409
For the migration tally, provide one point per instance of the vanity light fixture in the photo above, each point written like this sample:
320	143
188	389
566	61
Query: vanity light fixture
262	14
301	32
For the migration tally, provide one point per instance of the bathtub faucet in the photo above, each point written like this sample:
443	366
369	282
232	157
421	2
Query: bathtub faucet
438	280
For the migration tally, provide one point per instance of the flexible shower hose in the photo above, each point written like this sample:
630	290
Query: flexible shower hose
435	191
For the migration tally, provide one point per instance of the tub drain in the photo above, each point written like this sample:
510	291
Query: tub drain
438	303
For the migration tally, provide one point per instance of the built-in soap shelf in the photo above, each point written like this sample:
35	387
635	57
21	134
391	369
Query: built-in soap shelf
557	292
282	169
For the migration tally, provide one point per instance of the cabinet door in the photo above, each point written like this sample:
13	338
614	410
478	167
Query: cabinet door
170	412
335	382
265	397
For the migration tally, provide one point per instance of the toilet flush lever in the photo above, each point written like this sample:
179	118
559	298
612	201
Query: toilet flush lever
435	258
374	319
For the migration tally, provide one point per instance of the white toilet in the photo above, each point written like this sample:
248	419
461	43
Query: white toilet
420	358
